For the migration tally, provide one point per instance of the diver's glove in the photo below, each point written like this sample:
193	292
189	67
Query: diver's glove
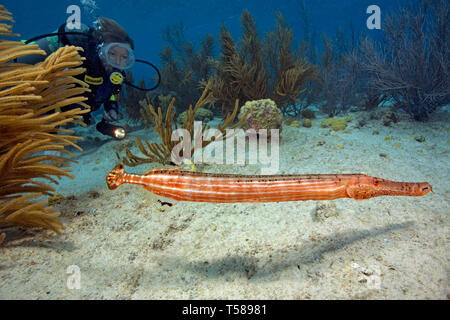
111	112
111	130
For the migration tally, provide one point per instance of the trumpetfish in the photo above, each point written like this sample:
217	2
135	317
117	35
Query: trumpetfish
225	188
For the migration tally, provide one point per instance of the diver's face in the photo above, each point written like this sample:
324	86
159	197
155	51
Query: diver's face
118	55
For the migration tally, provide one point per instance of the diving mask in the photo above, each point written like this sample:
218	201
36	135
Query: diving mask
117	55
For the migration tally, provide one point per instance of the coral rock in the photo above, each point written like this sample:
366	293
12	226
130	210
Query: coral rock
420	139
202	114
262	114
292	123
389	117
308	114
307	123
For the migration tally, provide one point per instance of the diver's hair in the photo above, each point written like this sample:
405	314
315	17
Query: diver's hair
107	30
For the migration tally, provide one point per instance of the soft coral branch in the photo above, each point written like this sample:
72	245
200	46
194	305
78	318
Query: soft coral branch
412	65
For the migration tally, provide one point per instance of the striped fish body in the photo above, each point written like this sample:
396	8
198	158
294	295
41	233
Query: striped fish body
182	185
226	188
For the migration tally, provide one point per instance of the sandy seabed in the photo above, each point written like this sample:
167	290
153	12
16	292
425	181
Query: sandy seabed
126	245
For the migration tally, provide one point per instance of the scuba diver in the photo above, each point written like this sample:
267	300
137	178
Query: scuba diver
108	51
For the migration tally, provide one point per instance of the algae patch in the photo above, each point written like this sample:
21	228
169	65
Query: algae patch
334	123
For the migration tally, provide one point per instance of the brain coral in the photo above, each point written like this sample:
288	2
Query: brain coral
262	114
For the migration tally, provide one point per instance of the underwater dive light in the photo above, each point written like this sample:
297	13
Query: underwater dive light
119	133
111	130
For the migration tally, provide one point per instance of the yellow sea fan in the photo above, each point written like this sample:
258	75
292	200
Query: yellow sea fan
29	124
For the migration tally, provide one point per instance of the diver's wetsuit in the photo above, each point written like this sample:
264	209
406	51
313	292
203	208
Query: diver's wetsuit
103	91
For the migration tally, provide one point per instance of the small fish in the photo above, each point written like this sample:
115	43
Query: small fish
224	188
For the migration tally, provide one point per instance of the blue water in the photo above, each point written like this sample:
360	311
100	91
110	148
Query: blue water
145	20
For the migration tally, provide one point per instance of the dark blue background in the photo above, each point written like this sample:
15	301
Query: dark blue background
144	19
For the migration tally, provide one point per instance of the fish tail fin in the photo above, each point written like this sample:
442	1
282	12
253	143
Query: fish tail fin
115	177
